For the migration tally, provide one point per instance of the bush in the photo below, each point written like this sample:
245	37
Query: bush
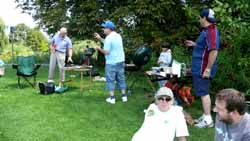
19	50
80	46
42	57
233	64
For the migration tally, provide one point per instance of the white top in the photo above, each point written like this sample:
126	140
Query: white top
166	58
162	126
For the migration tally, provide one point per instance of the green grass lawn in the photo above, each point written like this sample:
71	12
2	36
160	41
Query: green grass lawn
25	115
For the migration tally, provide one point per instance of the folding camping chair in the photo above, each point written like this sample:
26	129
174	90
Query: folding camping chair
140	58
26	68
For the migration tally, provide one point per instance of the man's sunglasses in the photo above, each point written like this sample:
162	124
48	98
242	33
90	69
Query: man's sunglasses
167	99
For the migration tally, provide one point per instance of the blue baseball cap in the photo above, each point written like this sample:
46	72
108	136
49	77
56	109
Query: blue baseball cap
209	14
108	24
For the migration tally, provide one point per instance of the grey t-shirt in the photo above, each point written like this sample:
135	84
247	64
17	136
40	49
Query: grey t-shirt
238	132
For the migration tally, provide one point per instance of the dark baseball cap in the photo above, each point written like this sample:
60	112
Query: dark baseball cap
209	14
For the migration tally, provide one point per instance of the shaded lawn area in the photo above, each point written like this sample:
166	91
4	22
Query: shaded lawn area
25	115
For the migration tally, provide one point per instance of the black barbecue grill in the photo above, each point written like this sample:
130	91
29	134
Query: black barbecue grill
140	58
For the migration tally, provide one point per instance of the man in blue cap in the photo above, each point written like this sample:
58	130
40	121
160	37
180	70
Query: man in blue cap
204	63
115	57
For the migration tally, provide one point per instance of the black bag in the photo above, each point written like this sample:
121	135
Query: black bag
46	88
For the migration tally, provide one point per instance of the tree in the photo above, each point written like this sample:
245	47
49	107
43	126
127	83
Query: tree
30	37
20	34
3	37
37	41
140	20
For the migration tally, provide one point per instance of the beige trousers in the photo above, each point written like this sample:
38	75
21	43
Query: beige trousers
57	58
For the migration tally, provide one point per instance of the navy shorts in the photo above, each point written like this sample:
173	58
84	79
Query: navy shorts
201	86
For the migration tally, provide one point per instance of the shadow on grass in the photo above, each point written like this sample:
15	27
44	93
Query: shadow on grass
15	86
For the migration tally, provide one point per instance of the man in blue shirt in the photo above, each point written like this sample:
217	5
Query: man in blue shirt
204	63
115	57
59	45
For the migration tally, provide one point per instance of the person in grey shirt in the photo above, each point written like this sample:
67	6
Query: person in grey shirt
232	120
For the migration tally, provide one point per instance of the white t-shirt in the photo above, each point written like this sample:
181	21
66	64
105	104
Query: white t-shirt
166	58
162	126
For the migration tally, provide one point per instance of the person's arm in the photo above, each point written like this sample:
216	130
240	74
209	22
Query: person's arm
105	52
189	43
169	58
70	52
98	37
181	138
211	59
159	61
106	46
52	45
211	43
181	125
70	55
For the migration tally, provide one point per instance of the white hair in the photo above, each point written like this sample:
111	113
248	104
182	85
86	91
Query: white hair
63	30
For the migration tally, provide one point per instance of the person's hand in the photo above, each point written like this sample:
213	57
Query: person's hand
189	43
97	36
98	48
160	62
206	74
70	60
52	49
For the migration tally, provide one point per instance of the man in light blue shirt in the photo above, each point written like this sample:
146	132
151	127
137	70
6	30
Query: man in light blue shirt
59	45
114	56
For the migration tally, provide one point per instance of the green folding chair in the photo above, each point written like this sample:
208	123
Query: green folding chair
26	67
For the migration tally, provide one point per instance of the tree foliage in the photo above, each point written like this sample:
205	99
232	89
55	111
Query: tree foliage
30	37
139	21
3	36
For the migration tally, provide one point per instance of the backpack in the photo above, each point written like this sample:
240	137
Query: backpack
182	94
46	88
185	94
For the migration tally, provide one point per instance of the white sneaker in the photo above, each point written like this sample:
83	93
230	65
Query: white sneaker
199	119
204	124
50	81
110	100
124	98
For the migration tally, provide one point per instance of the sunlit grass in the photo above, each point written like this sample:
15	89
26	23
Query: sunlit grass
25	115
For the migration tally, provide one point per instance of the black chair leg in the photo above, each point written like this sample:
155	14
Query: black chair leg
34	81
29	82
18	81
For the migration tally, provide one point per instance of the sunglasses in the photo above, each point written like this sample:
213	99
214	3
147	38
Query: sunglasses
167	99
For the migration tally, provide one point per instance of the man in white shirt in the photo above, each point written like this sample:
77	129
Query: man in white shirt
163	121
